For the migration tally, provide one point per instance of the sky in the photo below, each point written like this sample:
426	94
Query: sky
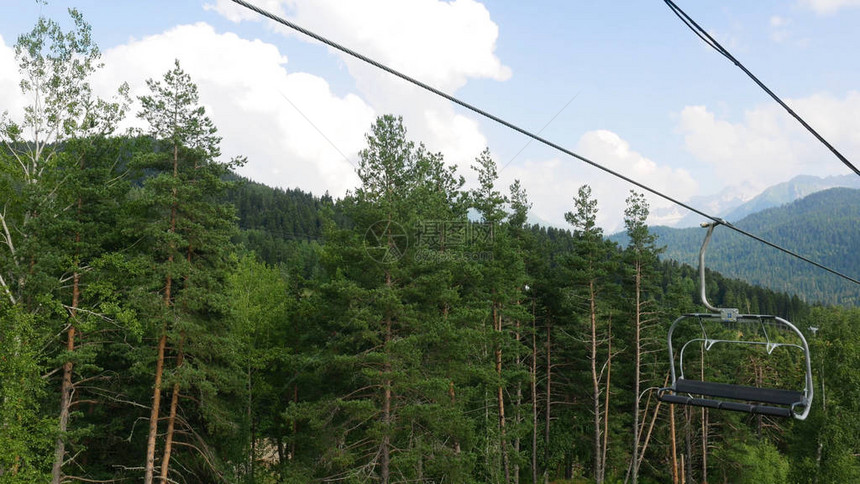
624	83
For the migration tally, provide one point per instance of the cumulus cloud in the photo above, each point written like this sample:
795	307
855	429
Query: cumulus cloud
292	128
826	7
11	99
553	183
768	146
444	44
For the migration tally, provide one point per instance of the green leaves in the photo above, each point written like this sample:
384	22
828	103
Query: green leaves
26	432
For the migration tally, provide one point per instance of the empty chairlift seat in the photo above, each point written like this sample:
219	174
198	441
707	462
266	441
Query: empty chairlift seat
769	336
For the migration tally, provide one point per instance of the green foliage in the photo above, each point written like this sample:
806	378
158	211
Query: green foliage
26	436
758	463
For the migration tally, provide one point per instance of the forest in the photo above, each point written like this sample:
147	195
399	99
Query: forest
164	320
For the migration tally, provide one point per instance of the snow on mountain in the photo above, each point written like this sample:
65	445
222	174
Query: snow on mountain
736	202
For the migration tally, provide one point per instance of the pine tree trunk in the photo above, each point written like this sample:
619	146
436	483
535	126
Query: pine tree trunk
636	376
171	420
606	401
497	319
517	413
651	425
705	430
548	397
385	458
149	469
595	382
687	461
683	470
66	388
674	445
534	397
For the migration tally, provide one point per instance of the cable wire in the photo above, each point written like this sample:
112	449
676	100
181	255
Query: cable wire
531	135
708	39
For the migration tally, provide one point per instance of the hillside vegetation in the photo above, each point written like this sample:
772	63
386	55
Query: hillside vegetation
822	227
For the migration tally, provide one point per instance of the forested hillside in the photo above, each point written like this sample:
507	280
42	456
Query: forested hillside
822	226
163	321
281	226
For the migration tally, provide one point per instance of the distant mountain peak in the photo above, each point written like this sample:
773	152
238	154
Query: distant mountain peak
735	202
787	192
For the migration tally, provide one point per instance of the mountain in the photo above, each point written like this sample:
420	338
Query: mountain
822	227
734	203
728	199
794	189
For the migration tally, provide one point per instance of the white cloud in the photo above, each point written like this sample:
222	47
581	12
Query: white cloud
826	7
243	83
553	183
11	98
777	21
779	28
444	44
236	13
769	146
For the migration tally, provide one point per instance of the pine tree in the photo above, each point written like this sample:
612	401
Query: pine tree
187	233
589	266
503	281
642	254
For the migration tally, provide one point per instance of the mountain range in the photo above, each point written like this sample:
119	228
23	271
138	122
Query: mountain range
734	203
823	226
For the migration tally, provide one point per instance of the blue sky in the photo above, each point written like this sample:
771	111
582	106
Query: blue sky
643	94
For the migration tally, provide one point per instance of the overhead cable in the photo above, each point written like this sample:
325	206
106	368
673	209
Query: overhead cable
529	134
708	39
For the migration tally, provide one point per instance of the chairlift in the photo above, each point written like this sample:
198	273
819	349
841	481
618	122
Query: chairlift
771	333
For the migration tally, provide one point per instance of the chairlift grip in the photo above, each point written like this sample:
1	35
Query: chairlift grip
710	226
726	314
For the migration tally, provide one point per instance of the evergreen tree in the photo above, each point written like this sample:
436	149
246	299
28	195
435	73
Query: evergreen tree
501	291
642	254
187	236
589	267
386	310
